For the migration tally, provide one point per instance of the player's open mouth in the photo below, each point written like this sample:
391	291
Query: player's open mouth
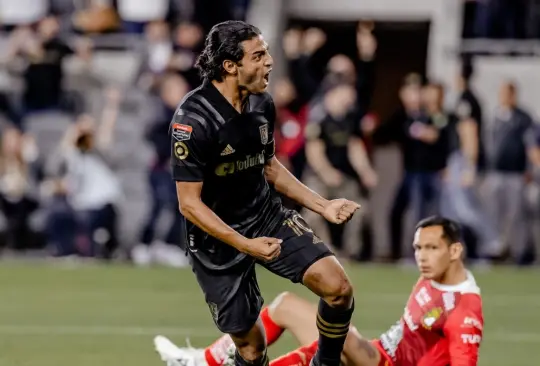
267	76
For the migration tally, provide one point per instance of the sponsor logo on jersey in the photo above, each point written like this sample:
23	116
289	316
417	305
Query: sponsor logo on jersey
431	317
472	322
227	151
180	150
471	338
181	132
237	166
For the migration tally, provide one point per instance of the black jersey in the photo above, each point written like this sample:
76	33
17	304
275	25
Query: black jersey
212	143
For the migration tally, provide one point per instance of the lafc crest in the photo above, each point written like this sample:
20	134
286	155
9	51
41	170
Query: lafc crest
264	133
431	317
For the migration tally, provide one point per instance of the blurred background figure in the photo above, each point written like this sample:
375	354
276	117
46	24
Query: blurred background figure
508	141
421	129
338	158
20	176
292	117
459	197
162	188
39	55
85	188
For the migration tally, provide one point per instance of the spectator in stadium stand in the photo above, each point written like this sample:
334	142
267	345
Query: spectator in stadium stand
157	54
161	184
300	46
20	175
291	122
509	139
84	188
424	152
187	42
468	107
43	54
165	53
459	200
339	162
534	198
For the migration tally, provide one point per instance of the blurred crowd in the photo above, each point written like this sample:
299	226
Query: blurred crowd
454	163
66	201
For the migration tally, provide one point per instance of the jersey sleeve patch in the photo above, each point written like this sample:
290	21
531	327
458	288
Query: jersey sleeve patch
181	132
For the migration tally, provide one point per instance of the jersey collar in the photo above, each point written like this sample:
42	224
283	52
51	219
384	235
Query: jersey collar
220	103
467	286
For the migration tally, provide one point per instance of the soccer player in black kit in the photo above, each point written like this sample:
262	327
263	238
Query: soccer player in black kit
224	166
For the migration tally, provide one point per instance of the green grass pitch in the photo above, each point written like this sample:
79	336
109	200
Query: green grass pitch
58	315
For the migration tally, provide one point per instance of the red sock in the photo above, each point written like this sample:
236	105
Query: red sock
273	331
299	357
216	353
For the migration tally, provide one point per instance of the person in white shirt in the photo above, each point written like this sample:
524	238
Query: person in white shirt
90	186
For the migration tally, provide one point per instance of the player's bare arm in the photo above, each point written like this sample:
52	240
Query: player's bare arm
191	206
336	211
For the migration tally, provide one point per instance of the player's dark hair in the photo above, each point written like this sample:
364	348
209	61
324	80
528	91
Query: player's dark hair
224	42
451	229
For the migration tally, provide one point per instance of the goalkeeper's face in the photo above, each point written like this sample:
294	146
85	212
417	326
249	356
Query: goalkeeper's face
433	253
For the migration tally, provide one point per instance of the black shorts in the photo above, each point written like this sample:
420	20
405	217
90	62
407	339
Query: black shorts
234	297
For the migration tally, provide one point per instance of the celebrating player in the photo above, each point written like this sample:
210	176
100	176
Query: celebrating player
441	325
223	163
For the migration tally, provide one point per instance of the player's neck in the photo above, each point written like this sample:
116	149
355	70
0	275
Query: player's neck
456	274
235	95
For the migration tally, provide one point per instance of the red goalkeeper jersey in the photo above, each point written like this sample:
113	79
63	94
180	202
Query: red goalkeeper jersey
441	326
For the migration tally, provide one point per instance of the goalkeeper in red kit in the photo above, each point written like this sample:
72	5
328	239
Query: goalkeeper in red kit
441	325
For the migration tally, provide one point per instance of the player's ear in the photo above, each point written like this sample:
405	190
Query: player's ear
230	67
456	251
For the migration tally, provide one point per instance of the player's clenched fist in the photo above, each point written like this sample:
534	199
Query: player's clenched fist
263	248
340	211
